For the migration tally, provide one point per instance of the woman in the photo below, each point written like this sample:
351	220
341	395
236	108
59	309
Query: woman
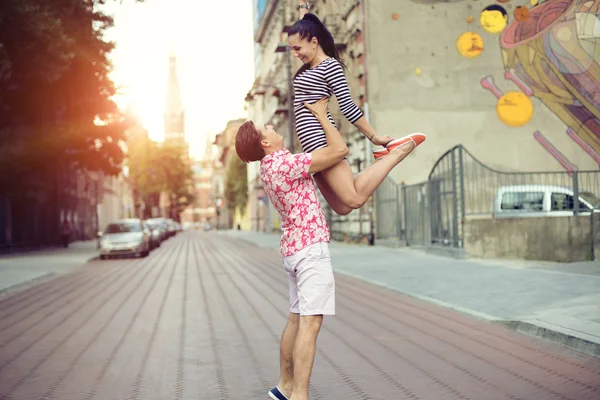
321	76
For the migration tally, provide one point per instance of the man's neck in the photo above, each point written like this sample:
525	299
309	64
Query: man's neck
268	151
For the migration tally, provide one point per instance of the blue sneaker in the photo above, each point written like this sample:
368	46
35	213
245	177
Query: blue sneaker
275	394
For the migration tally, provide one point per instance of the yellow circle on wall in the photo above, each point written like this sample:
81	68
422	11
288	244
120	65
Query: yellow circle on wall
469	44
514	109
418	71
494	18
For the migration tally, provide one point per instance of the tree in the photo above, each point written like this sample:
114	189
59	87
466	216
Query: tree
159	167
236	184
177	175
55	94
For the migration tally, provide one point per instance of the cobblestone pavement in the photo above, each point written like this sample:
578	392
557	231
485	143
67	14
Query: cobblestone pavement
200	318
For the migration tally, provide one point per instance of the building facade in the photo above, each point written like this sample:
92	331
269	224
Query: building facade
270	97
226	218
428	86
409	72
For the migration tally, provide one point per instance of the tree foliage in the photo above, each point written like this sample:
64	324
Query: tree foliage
236	184
55	93
159	167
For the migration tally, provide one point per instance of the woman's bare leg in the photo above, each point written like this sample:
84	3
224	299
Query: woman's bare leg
345	192
331	198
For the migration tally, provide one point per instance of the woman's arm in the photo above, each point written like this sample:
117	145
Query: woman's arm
335	78
365	128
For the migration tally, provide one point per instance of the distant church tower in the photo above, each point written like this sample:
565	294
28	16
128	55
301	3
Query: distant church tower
174	114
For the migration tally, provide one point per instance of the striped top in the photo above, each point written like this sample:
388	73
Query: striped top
325	79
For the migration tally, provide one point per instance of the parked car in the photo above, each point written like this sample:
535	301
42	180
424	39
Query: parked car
155	238
521	201
161	224
171	227
125	237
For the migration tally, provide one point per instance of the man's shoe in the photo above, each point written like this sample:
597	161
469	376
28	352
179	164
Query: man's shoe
275	394
416	138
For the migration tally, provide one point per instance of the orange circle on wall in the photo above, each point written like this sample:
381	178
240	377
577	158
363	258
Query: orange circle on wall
395	16
470	19
522	13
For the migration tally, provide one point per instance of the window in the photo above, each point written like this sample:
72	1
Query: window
564	202
123	227
523	201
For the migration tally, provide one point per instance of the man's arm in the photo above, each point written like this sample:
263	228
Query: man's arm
336	148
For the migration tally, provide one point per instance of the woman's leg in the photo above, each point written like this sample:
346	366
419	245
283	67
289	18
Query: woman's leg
331	198
345	192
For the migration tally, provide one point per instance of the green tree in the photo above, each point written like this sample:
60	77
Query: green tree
159	167
55	94
236	184
177	176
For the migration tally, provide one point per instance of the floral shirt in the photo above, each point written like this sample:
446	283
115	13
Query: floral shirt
292	191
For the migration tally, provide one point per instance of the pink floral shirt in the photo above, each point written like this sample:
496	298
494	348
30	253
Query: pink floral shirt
292	191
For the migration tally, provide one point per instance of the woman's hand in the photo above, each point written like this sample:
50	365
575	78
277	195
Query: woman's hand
381	140
319	109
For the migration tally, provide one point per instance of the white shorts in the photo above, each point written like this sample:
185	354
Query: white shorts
311	283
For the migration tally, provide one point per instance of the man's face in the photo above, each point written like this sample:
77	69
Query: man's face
274	139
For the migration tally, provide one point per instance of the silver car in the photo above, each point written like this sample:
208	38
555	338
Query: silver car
125	237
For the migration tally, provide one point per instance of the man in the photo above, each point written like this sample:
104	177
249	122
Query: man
305	236
66	232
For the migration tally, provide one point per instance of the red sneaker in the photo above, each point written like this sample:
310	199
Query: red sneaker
380	152
416	138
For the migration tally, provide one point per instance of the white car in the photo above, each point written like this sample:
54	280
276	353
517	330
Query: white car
125	237
541	201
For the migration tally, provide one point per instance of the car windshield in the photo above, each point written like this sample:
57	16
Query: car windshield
590	198
123	227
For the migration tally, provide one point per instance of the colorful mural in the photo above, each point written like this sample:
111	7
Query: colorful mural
555	53
551	51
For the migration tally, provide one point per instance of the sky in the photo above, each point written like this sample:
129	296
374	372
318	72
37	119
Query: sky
213	43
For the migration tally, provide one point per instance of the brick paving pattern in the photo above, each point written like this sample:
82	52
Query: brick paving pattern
200	318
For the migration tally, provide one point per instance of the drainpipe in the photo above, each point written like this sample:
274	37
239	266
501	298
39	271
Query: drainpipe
363	15
368	159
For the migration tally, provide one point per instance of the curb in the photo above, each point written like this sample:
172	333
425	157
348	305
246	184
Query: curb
574	341
5	291
564	337
48	275
570	341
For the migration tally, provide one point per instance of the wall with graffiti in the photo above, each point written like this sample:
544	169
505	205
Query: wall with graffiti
516	82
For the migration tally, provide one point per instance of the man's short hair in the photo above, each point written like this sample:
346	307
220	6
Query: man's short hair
247	143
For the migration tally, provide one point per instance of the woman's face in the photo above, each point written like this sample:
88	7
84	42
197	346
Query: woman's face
304	49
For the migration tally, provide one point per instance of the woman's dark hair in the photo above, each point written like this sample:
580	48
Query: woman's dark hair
311	26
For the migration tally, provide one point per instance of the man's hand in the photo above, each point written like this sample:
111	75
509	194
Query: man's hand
319	109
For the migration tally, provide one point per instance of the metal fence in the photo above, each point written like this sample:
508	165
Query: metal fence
461	187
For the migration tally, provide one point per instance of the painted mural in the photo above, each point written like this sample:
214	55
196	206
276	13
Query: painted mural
554	54
551	51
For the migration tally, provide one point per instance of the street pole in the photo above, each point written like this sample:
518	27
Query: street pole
288	57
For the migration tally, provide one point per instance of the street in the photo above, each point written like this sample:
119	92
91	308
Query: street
200	318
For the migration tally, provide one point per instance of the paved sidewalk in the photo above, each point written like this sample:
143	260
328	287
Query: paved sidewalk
556	301
201	317
25	267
